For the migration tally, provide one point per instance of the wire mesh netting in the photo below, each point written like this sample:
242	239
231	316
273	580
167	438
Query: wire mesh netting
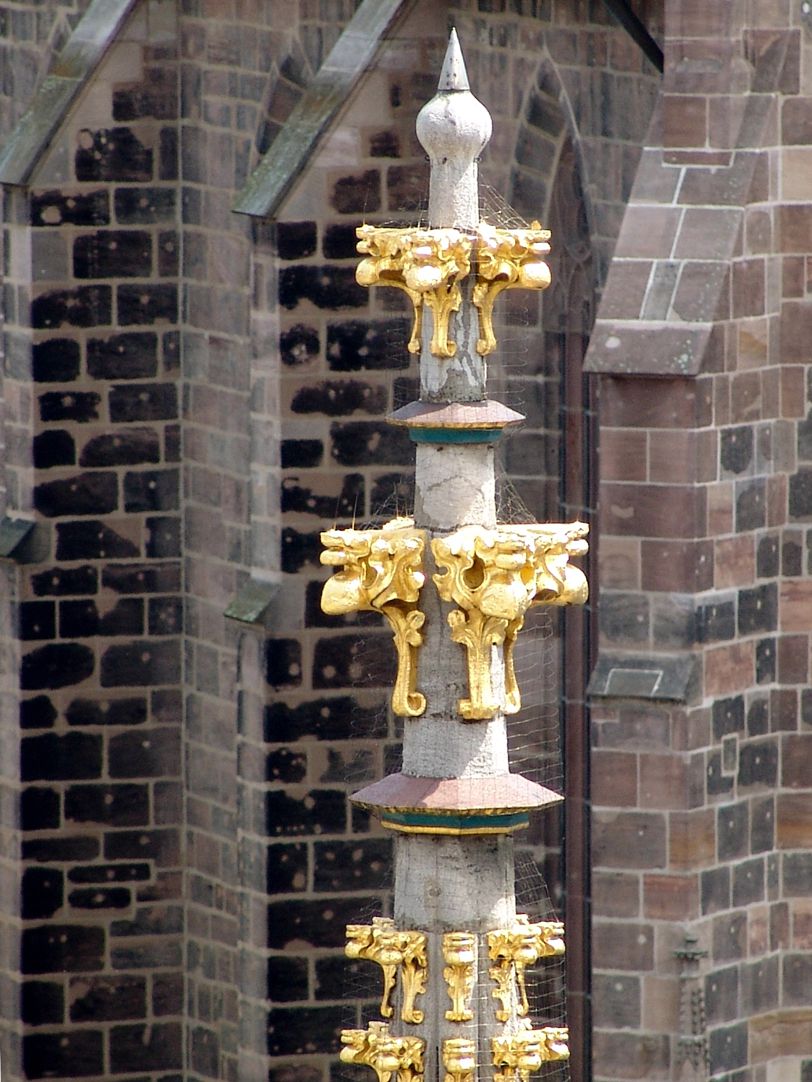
518	379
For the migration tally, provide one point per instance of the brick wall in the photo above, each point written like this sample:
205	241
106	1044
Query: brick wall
93	454
705	650
138	307
280	372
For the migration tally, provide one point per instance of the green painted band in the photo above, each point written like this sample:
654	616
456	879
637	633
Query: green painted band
454	435
465	822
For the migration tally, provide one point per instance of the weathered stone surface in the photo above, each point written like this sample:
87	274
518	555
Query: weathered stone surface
114	154
56	665
320	923
79	406
84	306
299	345
55	360
42	1003
54	448
92	539
58	948
145	304
328	287
333	718
91	493
123	356
143	402
42	892
113	253
58	208
75	1053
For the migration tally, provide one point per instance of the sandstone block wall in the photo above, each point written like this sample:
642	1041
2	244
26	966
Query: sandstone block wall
190	396
703	678
92	438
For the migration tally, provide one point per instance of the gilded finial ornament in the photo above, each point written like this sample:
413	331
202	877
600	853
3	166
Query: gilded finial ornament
427	264
459	1059
507	259
494	575
382	571
393	949
386	1054
459	955
525	1051
455	783
513	950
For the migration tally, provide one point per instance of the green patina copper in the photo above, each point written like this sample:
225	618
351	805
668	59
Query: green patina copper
454	435
13	532
251	602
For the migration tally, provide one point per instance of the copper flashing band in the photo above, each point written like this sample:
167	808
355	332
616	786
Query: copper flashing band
501	794
484	414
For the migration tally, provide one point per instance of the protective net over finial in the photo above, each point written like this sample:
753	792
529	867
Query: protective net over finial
459	961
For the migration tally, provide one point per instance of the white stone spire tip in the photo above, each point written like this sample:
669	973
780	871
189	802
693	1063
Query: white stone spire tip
453	76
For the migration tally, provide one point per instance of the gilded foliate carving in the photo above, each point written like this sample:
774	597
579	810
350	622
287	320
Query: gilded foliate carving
394	949
427	264
513	950
382	571
507	259
459	1059
375	943
525	1051
494	575
387	1055
516	1055
413	972
459	955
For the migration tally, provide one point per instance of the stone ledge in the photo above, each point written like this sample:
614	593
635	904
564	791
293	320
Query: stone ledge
642	348
13	533
666	677
251	602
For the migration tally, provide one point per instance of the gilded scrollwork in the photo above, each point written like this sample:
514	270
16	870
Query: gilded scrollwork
428	265
526	1050
555	1043
494	575
517	1055
382	571
376	942
394	949
386	1054
459	955
507	259
513	950
413	972
459	1059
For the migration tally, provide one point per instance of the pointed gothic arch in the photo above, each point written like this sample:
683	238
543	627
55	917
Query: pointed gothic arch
548	164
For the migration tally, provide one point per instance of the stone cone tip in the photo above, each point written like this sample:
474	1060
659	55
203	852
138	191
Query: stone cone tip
453	76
